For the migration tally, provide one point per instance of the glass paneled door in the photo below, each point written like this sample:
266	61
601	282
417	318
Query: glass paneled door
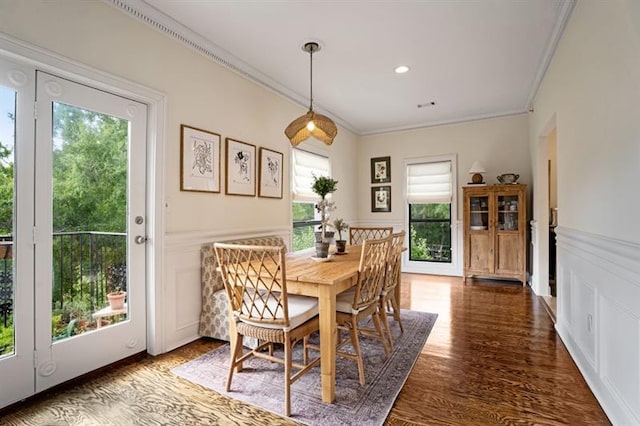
89	229
17	92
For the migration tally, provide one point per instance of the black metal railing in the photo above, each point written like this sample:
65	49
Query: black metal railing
86	266
6	280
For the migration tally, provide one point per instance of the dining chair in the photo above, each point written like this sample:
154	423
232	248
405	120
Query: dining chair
358	234
391	281
362	301
255	280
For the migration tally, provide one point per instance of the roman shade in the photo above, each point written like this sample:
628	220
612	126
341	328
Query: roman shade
305	166
429	183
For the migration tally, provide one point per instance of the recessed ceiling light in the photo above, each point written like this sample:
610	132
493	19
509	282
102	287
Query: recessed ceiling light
402	69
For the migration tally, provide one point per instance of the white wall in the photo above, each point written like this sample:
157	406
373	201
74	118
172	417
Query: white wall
591	95
500	144
199	93
593	88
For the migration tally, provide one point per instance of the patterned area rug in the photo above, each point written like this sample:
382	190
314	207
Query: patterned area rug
261	383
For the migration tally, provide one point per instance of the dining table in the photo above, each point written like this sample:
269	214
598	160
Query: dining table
309	276
323	279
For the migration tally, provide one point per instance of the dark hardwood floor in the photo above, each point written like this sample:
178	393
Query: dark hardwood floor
492	358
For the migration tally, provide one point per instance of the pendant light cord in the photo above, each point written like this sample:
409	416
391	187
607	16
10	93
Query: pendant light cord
311	78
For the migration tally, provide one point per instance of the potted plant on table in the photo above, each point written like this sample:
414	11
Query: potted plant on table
323	186
340	225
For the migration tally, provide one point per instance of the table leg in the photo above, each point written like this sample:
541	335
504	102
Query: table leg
328	334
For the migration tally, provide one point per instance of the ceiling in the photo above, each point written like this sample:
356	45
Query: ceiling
474	58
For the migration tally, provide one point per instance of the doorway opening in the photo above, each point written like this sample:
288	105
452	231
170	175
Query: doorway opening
552	203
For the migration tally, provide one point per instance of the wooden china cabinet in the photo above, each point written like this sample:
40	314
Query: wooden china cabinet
495	231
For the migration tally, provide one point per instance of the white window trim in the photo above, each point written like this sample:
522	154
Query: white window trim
455	267
314	147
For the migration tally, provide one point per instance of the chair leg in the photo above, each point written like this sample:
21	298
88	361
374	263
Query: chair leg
396	311
353	331
376	321
287	377
305	350
235	354
385	321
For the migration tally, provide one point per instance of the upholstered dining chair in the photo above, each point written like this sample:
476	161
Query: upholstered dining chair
255	280
362	301
391	281
358	234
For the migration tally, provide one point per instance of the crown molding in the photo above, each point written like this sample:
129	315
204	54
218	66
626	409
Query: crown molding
566	9
460	120
150	16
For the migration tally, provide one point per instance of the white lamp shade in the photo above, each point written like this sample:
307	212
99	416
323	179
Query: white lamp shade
477	167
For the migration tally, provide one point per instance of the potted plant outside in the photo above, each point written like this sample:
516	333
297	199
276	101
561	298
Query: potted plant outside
116	285
340	225
323	186
116	298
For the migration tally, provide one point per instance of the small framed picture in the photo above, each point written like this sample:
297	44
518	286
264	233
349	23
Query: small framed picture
381	170
381	198
241	168
270	174
199	160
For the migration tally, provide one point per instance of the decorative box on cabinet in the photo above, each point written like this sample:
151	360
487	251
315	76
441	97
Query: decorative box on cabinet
495	231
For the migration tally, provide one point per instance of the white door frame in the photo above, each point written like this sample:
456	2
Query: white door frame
44	60
455	267
540	222
59	361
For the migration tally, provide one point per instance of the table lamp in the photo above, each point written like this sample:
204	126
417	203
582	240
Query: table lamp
476	171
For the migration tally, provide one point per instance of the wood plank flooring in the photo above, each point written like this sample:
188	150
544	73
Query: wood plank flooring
493	358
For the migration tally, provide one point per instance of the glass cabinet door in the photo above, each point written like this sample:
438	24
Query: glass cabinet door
508	209
479	213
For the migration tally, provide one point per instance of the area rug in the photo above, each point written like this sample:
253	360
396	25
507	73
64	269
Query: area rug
261	383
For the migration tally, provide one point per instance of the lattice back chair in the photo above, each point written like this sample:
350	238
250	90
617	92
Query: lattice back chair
255	281
358	234
388	297
362	301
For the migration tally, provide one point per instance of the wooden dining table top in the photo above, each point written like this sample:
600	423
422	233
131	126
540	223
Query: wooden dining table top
300	266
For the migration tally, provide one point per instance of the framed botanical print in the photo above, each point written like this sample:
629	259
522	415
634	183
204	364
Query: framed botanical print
240	165
381	170
199	160
381	198
270	173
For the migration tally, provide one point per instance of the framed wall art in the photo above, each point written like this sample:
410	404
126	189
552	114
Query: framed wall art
270	173
381	170
240	165
381	198
199	160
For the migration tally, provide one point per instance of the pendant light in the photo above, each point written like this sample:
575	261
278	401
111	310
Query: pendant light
311	124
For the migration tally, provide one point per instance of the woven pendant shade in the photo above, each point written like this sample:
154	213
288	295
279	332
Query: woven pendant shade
325	130
311	124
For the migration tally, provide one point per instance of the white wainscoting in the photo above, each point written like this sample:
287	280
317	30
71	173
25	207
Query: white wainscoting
181	294
598	317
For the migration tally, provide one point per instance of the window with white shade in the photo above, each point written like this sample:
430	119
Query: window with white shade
430	195
304	166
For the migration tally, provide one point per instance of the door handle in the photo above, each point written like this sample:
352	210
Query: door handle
139	239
